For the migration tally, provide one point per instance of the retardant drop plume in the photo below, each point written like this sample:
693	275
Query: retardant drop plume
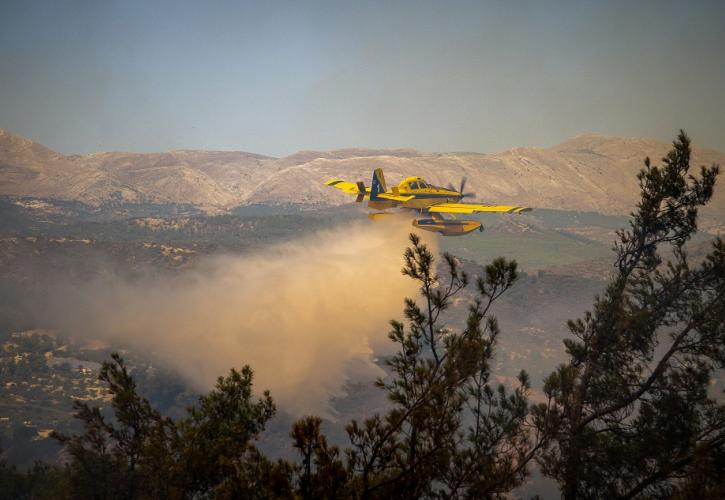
306	315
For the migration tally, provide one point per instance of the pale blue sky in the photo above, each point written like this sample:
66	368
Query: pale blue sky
275	77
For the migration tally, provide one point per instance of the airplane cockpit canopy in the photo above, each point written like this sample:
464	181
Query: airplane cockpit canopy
415	183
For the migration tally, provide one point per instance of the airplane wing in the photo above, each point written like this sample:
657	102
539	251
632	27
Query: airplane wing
349	187
471	208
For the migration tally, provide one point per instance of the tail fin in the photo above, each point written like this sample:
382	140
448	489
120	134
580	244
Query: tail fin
378	185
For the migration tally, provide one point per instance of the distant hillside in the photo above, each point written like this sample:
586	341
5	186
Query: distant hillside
590	173
214	180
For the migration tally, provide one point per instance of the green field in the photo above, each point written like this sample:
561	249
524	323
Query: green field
533	250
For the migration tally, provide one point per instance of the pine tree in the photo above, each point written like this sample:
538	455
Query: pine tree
137	453
449	434
216	436
111	458
633	411
322	474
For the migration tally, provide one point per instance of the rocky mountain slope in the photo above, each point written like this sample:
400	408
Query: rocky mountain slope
590	173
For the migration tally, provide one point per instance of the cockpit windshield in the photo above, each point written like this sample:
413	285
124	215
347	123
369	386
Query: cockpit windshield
413	185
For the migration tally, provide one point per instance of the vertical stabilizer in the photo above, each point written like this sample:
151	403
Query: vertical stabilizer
378	186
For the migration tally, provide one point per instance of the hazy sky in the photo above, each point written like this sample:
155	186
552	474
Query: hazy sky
276	77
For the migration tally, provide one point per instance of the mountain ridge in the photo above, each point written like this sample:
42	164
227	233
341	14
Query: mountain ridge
589	172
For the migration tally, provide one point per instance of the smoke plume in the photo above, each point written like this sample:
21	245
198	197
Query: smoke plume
305	315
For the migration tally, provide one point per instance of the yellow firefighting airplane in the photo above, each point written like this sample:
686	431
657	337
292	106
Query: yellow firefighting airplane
414	193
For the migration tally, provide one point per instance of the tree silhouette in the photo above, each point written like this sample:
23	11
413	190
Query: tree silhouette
449	433
632	405
140	454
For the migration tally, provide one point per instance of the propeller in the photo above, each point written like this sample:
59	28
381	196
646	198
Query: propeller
463	186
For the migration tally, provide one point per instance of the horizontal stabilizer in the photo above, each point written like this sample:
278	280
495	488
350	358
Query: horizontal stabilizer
349	187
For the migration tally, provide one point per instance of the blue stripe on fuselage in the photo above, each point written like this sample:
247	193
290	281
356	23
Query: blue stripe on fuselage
424	196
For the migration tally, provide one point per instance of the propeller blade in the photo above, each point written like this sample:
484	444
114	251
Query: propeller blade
450	187
463	185
468	195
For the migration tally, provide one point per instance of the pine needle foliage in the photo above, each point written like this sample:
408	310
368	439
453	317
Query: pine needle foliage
450	433
633	411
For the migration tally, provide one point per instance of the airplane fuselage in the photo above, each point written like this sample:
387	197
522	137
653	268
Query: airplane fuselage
425	195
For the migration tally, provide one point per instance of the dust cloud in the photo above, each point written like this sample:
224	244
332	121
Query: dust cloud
306	315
